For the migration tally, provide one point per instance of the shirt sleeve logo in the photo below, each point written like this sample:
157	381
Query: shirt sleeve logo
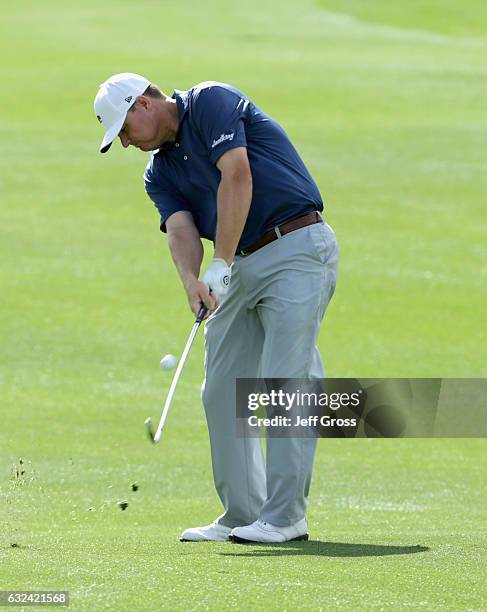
222	138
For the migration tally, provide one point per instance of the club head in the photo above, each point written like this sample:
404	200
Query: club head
150	431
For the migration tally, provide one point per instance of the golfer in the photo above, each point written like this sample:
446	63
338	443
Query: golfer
222	169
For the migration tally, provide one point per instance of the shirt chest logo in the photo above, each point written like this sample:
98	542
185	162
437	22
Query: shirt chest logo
222	138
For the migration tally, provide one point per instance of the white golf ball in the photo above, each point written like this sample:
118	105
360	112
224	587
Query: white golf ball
168	362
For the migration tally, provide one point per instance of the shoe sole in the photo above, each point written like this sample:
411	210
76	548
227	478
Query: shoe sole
237	540
183	540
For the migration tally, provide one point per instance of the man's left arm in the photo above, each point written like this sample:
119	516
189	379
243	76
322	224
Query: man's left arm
218	115
233	201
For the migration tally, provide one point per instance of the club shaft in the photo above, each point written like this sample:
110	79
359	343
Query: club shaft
175	380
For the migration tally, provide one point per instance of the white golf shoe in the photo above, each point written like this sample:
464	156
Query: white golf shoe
211	533
260	531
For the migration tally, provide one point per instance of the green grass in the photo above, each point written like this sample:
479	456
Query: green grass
386	103
467	19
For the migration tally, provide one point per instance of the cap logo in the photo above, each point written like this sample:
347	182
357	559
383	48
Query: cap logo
129	99
99	118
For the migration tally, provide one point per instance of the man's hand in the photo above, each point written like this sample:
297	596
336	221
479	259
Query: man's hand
198	294
217	278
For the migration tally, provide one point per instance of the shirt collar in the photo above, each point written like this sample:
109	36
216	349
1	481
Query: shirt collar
182	102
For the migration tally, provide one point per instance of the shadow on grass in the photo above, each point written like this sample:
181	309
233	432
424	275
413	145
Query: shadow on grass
323	549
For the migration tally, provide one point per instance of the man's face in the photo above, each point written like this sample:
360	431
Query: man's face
142	127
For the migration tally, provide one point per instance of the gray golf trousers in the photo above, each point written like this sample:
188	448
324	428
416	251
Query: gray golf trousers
267	326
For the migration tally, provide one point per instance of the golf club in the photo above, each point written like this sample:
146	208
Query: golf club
155	437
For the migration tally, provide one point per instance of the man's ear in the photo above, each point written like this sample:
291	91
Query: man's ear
144	101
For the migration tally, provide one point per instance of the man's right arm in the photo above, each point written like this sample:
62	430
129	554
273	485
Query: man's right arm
187	253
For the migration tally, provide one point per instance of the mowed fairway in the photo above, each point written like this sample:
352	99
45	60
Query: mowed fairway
387	107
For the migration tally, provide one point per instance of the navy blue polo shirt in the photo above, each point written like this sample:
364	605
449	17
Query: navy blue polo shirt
213	118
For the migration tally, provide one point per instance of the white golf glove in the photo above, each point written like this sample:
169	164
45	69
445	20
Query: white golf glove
217	277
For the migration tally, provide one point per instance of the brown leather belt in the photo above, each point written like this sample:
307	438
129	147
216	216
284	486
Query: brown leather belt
280	230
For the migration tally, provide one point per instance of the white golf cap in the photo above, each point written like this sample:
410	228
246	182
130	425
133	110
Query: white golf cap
113	101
